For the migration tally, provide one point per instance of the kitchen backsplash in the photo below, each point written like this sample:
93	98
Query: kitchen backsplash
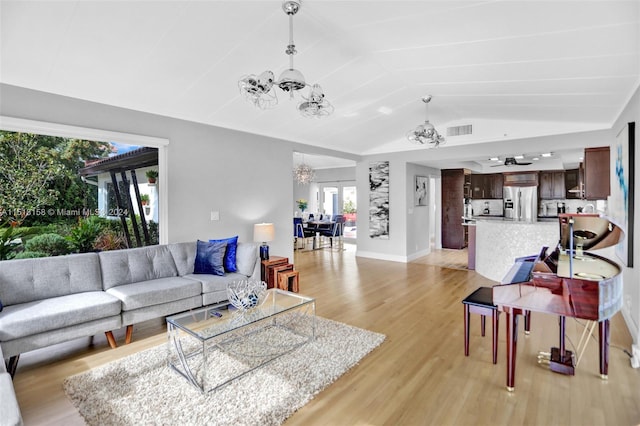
571	206
496	207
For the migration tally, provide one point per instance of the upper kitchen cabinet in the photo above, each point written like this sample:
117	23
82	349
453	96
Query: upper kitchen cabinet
487	186
521	179
596	173
573	183
552	185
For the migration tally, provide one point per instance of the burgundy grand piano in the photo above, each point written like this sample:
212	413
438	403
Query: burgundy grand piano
569	282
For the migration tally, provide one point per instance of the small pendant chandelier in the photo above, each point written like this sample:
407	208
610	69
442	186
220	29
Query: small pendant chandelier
303	173
426	134
259	89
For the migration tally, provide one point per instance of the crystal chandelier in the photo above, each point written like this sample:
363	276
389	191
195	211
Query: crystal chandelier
426	133
303	173
259	90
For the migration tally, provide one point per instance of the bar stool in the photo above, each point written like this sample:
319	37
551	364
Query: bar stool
481	302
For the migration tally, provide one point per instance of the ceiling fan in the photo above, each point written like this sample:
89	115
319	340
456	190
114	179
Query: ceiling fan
511	161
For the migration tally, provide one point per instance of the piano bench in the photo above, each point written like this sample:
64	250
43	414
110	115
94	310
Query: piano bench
481	302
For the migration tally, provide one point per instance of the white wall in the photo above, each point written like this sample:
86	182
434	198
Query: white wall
419	218
631	276
209	168
395	247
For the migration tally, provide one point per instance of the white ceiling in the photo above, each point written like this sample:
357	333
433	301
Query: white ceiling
512	69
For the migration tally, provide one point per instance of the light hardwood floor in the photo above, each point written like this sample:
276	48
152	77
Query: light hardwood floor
418	376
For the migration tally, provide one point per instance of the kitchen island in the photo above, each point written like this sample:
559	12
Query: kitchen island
499	242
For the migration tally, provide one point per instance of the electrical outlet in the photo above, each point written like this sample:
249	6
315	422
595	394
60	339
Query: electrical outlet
215	215
635	359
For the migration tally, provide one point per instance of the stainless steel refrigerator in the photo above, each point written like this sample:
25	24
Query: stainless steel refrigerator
520	202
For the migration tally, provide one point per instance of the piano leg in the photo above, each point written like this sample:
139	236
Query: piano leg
527	322
603	332
512	338
494	323
561	359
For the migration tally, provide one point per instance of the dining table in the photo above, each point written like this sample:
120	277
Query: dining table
317	226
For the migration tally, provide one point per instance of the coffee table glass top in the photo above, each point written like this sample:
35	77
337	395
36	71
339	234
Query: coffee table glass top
215	320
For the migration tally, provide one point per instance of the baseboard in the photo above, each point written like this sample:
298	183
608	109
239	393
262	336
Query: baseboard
635	334
381	256
418	255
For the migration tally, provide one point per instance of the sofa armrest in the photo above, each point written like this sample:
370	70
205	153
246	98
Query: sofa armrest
257	270
9	409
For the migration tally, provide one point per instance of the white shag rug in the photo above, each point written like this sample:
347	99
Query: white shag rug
142	390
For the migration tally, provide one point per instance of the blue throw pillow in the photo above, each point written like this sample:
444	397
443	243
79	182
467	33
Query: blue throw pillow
0	305
230	253
209	258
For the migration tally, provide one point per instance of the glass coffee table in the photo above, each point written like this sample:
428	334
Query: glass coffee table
214	345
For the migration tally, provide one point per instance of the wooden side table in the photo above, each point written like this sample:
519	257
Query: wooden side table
267	269
288	280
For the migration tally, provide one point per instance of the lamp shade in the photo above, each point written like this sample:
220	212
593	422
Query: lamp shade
263	232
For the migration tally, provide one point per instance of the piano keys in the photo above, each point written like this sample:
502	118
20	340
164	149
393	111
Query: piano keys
569	282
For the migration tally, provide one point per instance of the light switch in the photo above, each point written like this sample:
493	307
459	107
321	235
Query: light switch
215	215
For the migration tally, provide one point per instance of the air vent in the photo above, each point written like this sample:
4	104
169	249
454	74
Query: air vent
459	130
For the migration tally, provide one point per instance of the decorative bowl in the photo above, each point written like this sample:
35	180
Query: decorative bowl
246	294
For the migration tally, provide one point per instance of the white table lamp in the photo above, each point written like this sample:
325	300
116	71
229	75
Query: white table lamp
263	232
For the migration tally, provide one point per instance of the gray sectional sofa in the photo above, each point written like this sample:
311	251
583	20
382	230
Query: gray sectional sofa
57	299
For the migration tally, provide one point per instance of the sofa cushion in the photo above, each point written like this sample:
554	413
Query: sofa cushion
155	292
209	258
229	253
27	280
211	283
246	258
128	266
41	316
184	256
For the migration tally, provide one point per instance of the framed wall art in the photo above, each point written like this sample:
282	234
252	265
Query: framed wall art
379	200
421	191
622	190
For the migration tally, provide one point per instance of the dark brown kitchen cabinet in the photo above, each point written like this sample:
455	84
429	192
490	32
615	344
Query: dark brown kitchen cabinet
454	190
487	186
496	184
596	173
552	185
520	179
573	183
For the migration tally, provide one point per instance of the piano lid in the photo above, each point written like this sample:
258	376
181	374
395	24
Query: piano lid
590	231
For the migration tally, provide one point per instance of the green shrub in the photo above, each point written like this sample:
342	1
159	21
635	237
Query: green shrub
84	234
110	240
11	239
51	244
30	255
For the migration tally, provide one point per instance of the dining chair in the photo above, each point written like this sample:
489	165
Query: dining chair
299	232
335	230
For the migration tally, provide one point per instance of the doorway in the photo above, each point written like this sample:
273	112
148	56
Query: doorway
341	198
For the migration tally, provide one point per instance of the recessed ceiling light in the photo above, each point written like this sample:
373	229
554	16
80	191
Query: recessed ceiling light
547	154
519	157
494	159
535	158
385	110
